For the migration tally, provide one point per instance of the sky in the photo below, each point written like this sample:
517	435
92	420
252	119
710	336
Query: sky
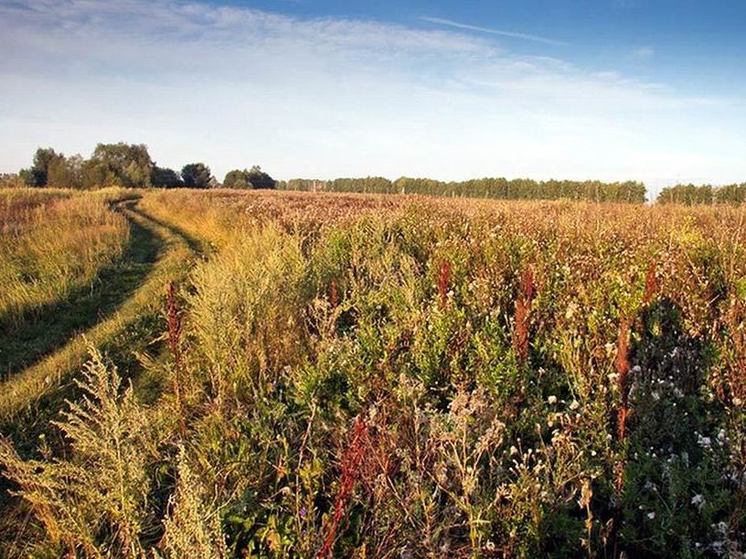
650	90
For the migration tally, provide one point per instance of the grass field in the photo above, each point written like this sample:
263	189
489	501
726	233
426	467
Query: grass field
221	373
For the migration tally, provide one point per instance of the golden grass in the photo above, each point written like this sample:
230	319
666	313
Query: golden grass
22	390
52	242
373	376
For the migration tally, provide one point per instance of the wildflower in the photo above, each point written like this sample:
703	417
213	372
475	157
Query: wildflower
574	405
552	400
651	515
704	442
698	501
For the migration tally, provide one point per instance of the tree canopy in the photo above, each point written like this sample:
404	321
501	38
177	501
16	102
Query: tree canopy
38	173
162	177
690	194
501	188
196	175
122	164
127	165
236	179
249	178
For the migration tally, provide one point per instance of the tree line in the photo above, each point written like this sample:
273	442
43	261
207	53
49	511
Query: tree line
125	165
690	194
500	188
130	165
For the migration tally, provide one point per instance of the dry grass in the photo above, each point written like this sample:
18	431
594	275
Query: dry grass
50	243
23	390
364	376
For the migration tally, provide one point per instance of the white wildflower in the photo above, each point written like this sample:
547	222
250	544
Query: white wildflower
698	501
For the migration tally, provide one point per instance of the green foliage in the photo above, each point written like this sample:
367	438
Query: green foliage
124	165
251	178
163	177
236	179
66	172
127	165
196	175
691	195
38	173
367	184
495	188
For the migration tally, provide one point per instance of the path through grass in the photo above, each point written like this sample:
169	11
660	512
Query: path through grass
125	300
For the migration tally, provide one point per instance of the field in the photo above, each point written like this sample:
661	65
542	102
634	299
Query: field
217	374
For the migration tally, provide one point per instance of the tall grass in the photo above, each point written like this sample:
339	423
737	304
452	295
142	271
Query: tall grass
22	392
52	242
425	380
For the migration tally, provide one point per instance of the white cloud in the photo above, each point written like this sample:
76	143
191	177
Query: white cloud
501	32
330	97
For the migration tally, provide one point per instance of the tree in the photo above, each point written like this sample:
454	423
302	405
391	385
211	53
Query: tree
65	172
196	175
236	179
37	174
259	179
162	177
252	178
122	164
95	174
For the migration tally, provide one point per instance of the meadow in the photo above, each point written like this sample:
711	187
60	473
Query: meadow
247	374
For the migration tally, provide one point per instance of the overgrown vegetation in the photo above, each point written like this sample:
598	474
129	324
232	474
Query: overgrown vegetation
359	376
52	242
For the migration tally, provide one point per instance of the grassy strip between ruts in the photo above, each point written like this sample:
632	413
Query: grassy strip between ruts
46	376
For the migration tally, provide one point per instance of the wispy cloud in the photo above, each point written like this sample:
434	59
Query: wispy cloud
335	96
644	52
503	33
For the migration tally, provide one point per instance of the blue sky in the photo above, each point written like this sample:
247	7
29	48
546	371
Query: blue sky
609	89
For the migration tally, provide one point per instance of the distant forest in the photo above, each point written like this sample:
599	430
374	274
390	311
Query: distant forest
690	195
130	165
500	188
